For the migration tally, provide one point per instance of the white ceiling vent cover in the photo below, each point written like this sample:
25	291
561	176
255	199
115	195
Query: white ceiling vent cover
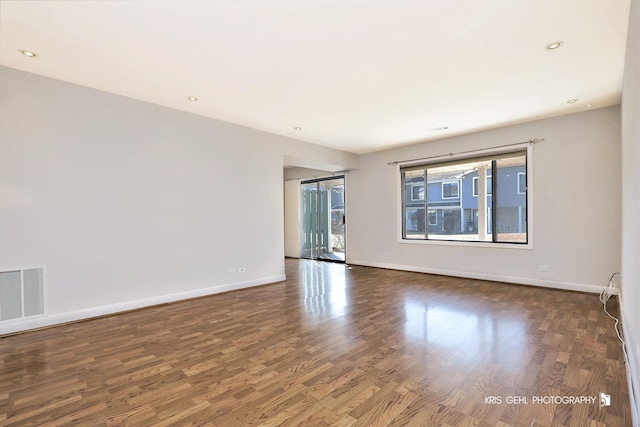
22	294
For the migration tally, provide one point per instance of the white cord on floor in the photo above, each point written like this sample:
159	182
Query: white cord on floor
604	297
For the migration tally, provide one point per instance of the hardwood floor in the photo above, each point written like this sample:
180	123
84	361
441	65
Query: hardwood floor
330	346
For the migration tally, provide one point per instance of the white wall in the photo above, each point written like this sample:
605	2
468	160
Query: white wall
576	200
304	173
129	204
292	218
630	297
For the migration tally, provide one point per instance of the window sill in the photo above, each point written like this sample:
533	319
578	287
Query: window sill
526	246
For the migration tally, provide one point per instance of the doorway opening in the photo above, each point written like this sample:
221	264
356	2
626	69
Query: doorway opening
323	222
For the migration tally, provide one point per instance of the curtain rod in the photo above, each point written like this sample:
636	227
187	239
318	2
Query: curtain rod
531	141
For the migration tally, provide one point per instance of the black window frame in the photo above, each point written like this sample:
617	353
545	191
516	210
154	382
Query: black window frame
493	210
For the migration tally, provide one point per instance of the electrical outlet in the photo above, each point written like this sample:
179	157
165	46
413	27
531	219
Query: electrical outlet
544	268
242	270
387	254
231	271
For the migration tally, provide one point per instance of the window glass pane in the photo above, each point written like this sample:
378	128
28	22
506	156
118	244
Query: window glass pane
413	210
451	205
450	195
452	208
511	203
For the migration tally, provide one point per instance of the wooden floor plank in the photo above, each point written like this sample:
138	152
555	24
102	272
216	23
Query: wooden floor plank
330	346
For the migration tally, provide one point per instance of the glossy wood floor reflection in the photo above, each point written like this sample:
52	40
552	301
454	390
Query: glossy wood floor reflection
330	346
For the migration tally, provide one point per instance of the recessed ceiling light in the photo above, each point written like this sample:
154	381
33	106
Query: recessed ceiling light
554	45
28	53
192	98
588	105
573	101
297	128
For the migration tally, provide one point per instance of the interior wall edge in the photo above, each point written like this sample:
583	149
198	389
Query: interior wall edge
88	313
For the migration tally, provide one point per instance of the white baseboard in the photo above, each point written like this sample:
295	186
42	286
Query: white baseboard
483	276
88	313
633	370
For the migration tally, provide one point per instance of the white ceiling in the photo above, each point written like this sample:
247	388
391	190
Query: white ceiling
358	75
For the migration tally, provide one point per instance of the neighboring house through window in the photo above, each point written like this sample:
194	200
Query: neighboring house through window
441	199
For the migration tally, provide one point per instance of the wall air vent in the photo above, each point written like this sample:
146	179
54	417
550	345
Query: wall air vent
22	294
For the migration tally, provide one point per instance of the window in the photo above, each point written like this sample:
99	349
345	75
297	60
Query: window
522	182
433	217
417	192
450	190
440	200
475	186
414	219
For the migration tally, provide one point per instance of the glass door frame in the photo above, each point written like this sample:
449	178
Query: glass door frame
320	249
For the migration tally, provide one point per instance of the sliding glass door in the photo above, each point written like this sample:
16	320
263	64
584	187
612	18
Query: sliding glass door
323	219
